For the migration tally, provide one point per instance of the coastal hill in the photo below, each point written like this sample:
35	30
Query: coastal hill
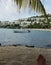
30	22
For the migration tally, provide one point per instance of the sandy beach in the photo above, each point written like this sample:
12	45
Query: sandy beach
21	55
39	29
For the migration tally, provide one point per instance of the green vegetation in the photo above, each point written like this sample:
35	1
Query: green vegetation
15	26
40	26
31	22
35	25
35	5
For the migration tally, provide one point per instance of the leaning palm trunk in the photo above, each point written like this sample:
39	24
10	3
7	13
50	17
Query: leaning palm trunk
35	5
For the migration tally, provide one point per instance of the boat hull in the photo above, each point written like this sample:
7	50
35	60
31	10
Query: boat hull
21	31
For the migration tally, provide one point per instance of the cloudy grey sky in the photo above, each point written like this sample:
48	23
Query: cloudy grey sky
9	11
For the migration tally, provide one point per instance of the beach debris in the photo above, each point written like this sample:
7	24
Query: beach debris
0	44
16	45
30	46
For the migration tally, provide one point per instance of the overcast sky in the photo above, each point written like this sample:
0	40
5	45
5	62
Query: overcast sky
8	10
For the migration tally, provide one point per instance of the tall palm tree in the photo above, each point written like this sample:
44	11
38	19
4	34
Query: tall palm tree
36	5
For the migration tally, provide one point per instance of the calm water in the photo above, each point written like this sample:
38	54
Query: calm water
35	37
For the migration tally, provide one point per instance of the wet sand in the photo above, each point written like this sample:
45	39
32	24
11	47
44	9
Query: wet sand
21	55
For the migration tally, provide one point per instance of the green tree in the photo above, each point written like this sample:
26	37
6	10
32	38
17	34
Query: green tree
35	5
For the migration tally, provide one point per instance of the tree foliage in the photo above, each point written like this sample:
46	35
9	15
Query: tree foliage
35	5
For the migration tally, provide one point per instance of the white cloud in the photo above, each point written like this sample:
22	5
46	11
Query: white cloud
9	11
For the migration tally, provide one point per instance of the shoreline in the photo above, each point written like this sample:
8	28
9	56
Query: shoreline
31	29
40	29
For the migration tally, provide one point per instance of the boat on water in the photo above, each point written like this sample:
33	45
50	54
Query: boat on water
22	31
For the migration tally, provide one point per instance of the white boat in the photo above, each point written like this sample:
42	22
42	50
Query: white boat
21	31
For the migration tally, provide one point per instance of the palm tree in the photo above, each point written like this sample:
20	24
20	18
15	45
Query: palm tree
36	5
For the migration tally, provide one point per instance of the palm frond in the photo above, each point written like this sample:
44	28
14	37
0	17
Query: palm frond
18	2
36	5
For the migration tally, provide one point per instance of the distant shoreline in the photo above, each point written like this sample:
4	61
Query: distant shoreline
39	29
42	29
30	29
